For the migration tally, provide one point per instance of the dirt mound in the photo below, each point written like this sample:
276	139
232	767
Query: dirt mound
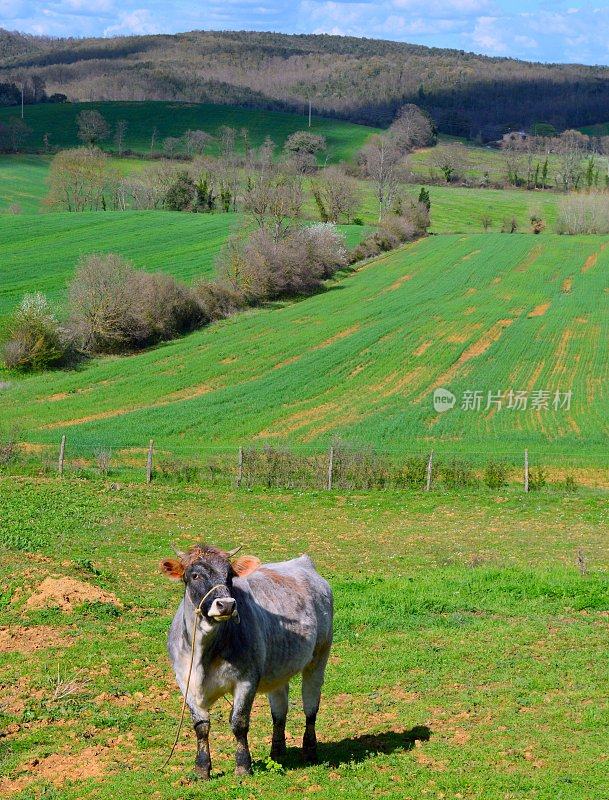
57	769
28	640
66	593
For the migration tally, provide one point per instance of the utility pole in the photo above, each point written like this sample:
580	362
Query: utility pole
22	93
309	113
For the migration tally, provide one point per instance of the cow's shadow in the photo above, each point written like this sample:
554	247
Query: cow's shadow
359	748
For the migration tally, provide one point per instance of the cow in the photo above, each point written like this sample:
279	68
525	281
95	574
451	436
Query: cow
255	626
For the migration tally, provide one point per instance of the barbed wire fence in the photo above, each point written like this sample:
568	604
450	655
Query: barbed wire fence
343	465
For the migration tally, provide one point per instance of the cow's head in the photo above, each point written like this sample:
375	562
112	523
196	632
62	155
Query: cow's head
204	567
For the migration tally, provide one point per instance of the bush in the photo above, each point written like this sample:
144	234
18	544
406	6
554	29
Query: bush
9	450
537	478
583	214
457	474
495	474
34	339
263	267
115	308
570	483
218	300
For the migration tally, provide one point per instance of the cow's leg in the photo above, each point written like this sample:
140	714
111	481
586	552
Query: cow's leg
278	701
312	680
203	760
240	724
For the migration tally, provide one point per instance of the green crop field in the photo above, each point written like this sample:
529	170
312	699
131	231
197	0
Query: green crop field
165	119
484	313
469	658
23	181
461	210
40	253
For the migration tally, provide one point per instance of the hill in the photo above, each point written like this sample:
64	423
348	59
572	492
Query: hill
364	80
148	123
483	313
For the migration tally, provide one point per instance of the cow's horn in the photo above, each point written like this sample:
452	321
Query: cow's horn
234	552
179	553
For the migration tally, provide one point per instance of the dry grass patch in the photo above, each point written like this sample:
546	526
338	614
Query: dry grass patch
66	593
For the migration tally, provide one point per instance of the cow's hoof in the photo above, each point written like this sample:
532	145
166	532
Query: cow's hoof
278	752
202	772
242	770
310	756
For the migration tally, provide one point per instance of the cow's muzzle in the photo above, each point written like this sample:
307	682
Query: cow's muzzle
222	609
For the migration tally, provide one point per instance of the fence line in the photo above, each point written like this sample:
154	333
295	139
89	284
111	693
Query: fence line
344	465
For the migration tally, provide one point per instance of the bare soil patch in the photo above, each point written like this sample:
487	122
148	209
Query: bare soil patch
58	768
29	640
66	593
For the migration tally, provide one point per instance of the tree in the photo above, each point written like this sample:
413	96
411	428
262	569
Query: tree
412	128
119	135
195	142
302	147
13	134
172	146
380	160
33	339
451	160
424	198
336	195
92	127
181	194
79	179
274	203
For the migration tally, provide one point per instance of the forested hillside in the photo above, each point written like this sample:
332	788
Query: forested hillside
362	80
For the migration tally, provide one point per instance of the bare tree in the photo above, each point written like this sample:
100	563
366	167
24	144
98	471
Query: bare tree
380	161
451	160
172	146
120	130
79	179
412	128
301	149
13	134
92	127
336	194
196	141
274	204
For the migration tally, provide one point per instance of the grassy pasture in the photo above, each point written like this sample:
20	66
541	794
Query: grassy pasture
40	253
469	657
344	139
483	161
465	312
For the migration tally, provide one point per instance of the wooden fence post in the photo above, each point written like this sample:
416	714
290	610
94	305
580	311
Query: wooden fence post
526	470
62	453
240	467
330	467
429	472
149	462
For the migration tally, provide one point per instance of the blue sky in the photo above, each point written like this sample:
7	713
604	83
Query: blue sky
541	30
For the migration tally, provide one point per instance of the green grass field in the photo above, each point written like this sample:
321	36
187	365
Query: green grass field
479	312
484	163
343	139
469	658
40	253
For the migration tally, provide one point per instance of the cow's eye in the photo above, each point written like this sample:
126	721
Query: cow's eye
196	577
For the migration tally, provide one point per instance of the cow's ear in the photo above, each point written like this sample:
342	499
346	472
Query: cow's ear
245	565
173	568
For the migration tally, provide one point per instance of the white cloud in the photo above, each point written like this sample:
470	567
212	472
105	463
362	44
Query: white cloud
139	21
